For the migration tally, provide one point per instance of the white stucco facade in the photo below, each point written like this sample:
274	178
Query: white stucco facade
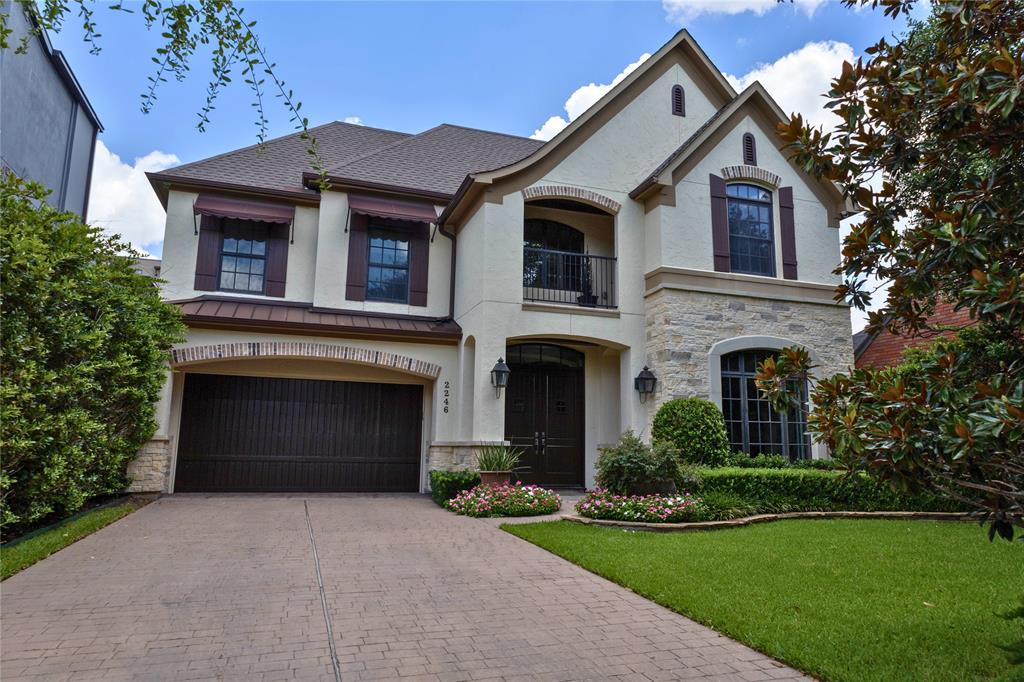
669	309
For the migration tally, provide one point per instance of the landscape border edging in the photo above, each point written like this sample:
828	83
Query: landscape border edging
763	518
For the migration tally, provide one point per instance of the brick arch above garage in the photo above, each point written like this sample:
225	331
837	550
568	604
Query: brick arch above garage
203	353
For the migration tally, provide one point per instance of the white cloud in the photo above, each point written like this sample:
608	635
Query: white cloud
354	120
121	200
582	99
798	80
684	11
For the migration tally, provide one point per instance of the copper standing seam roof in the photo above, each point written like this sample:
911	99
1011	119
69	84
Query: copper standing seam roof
296	317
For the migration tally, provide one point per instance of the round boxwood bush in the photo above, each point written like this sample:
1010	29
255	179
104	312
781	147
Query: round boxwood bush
695	427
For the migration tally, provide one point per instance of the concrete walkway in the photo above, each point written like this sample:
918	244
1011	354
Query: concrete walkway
231	587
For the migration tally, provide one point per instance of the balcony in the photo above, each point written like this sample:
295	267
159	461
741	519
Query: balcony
568	278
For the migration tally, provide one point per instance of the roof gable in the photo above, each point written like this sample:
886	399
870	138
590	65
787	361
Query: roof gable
754	100
681	47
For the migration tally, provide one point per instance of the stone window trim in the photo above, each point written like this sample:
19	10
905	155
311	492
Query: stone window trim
753	342
753	173
191	355
575	193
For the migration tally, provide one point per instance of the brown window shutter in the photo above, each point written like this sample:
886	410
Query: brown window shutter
208	255
788	229
358	255
719	224
277	259
419	261
749	150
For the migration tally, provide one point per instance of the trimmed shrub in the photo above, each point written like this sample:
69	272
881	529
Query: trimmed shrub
695	428
604	504
745	461
505	500
444	485
823	464
632	467
722	506
793	489
83	358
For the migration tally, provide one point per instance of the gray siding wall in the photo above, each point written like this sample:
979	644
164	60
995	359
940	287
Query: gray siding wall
45	134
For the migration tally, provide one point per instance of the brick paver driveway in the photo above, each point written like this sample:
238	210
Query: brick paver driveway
212	587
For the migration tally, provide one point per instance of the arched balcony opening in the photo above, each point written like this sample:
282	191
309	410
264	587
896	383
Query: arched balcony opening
569	250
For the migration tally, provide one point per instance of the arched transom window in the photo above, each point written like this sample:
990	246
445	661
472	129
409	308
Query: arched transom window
751	242
754	426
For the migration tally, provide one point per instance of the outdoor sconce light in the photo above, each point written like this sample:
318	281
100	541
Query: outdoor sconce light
499	377
644	383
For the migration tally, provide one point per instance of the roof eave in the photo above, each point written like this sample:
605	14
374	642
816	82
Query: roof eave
312	180
163	182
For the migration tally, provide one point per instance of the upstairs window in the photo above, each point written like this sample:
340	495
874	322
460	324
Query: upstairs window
751	243
387	277
749	150
243	257
678	101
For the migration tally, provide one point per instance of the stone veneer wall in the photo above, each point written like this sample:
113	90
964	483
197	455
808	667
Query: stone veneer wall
683	325
452	456
150	470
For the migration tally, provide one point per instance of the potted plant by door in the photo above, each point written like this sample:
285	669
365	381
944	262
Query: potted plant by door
496	463
587	297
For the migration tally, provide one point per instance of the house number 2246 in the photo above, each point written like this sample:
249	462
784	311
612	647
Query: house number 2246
446	395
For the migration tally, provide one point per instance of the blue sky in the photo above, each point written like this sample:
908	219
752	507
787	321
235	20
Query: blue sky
409	66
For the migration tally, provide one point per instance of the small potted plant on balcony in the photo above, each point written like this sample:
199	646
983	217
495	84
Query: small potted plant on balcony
587	297
496	463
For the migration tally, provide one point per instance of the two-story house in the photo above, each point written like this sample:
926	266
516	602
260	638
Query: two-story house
351	339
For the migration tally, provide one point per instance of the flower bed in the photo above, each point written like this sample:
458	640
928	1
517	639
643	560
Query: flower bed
505	500
601	504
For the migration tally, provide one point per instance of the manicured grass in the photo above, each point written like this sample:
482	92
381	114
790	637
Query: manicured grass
840	599
23	553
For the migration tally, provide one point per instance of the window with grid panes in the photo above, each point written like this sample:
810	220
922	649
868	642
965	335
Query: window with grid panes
753	424
751	241
243	257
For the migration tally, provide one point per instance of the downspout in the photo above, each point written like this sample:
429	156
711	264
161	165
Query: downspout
451	283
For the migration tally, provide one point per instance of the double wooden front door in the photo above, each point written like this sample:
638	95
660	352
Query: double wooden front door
544	413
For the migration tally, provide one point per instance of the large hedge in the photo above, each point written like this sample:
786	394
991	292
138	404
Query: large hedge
798	489
696	428
83	358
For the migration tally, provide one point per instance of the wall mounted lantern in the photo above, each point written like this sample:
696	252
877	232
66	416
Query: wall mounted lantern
499	377
644	383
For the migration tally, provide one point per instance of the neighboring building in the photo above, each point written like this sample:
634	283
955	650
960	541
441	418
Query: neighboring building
345	339
884	349
47	126
148	266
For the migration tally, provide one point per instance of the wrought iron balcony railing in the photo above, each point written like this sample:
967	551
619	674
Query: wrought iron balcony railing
568	278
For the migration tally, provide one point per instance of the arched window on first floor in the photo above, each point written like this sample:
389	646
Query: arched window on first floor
753	424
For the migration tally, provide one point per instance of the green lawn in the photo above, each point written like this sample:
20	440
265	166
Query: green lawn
24	553
840	599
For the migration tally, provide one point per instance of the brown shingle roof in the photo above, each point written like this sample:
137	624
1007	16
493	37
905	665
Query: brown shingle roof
437	160
434	161
299	317
280	164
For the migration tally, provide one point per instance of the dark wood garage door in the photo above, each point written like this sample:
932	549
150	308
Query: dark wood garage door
256	434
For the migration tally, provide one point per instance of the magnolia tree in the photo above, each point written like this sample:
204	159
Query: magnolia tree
929	144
